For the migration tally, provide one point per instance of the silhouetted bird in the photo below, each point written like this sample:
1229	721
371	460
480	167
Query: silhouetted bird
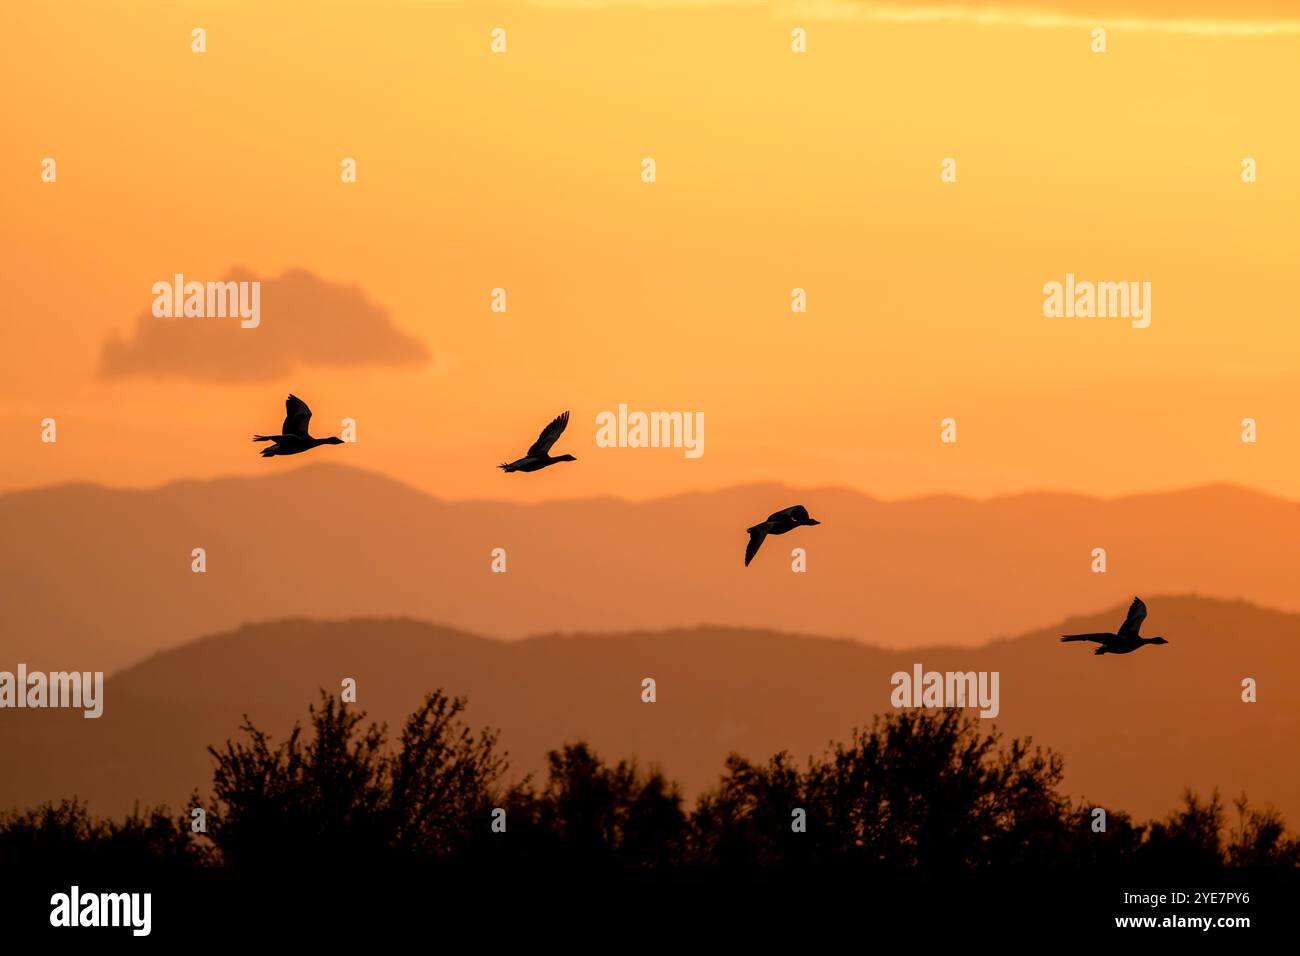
778	523
1127	640
295	438
539	456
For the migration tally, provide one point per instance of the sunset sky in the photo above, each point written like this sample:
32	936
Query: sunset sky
775	170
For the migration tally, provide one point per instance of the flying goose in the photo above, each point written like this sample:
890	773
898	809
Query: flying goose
539	455
295	438
777	523
1127	640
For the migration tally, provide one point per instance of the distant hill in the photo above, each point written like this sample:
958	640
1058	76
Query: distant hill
97	578
1134	730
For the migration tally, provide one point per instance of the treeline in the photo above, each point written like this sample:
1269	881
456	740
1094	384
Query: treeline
918	789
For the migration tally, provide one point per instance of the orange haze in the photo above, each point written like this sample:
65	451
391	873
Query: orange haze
775	171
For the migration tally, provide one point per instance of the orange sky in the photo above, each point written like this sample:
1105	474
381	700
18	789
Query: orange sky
775	170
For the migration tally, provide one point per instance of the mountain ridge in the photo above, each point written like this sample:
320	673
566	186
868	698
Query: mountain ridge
336	467
93	578
1120	723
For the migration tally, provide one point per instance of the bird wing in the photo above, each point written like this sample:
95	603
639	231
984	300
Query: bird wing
797	512
1095	638
296	416
542	447
756	536
1137	612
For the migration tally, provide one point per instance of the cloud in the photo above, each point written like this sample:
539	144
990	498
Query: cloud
304	320
1246	18
1203	17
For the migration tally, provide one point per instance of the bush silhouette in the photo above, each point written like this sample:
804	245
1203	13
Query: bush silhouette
919	790
64	837
1260	839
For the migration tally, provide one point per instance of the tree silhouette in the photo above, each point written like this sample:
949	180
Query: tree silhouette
916	790
343	795
592	814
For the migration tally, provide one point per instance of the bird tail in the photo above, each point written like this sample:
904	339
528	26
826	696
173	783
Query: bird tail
504	467
271	451
261	438
1066	638
1100	650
